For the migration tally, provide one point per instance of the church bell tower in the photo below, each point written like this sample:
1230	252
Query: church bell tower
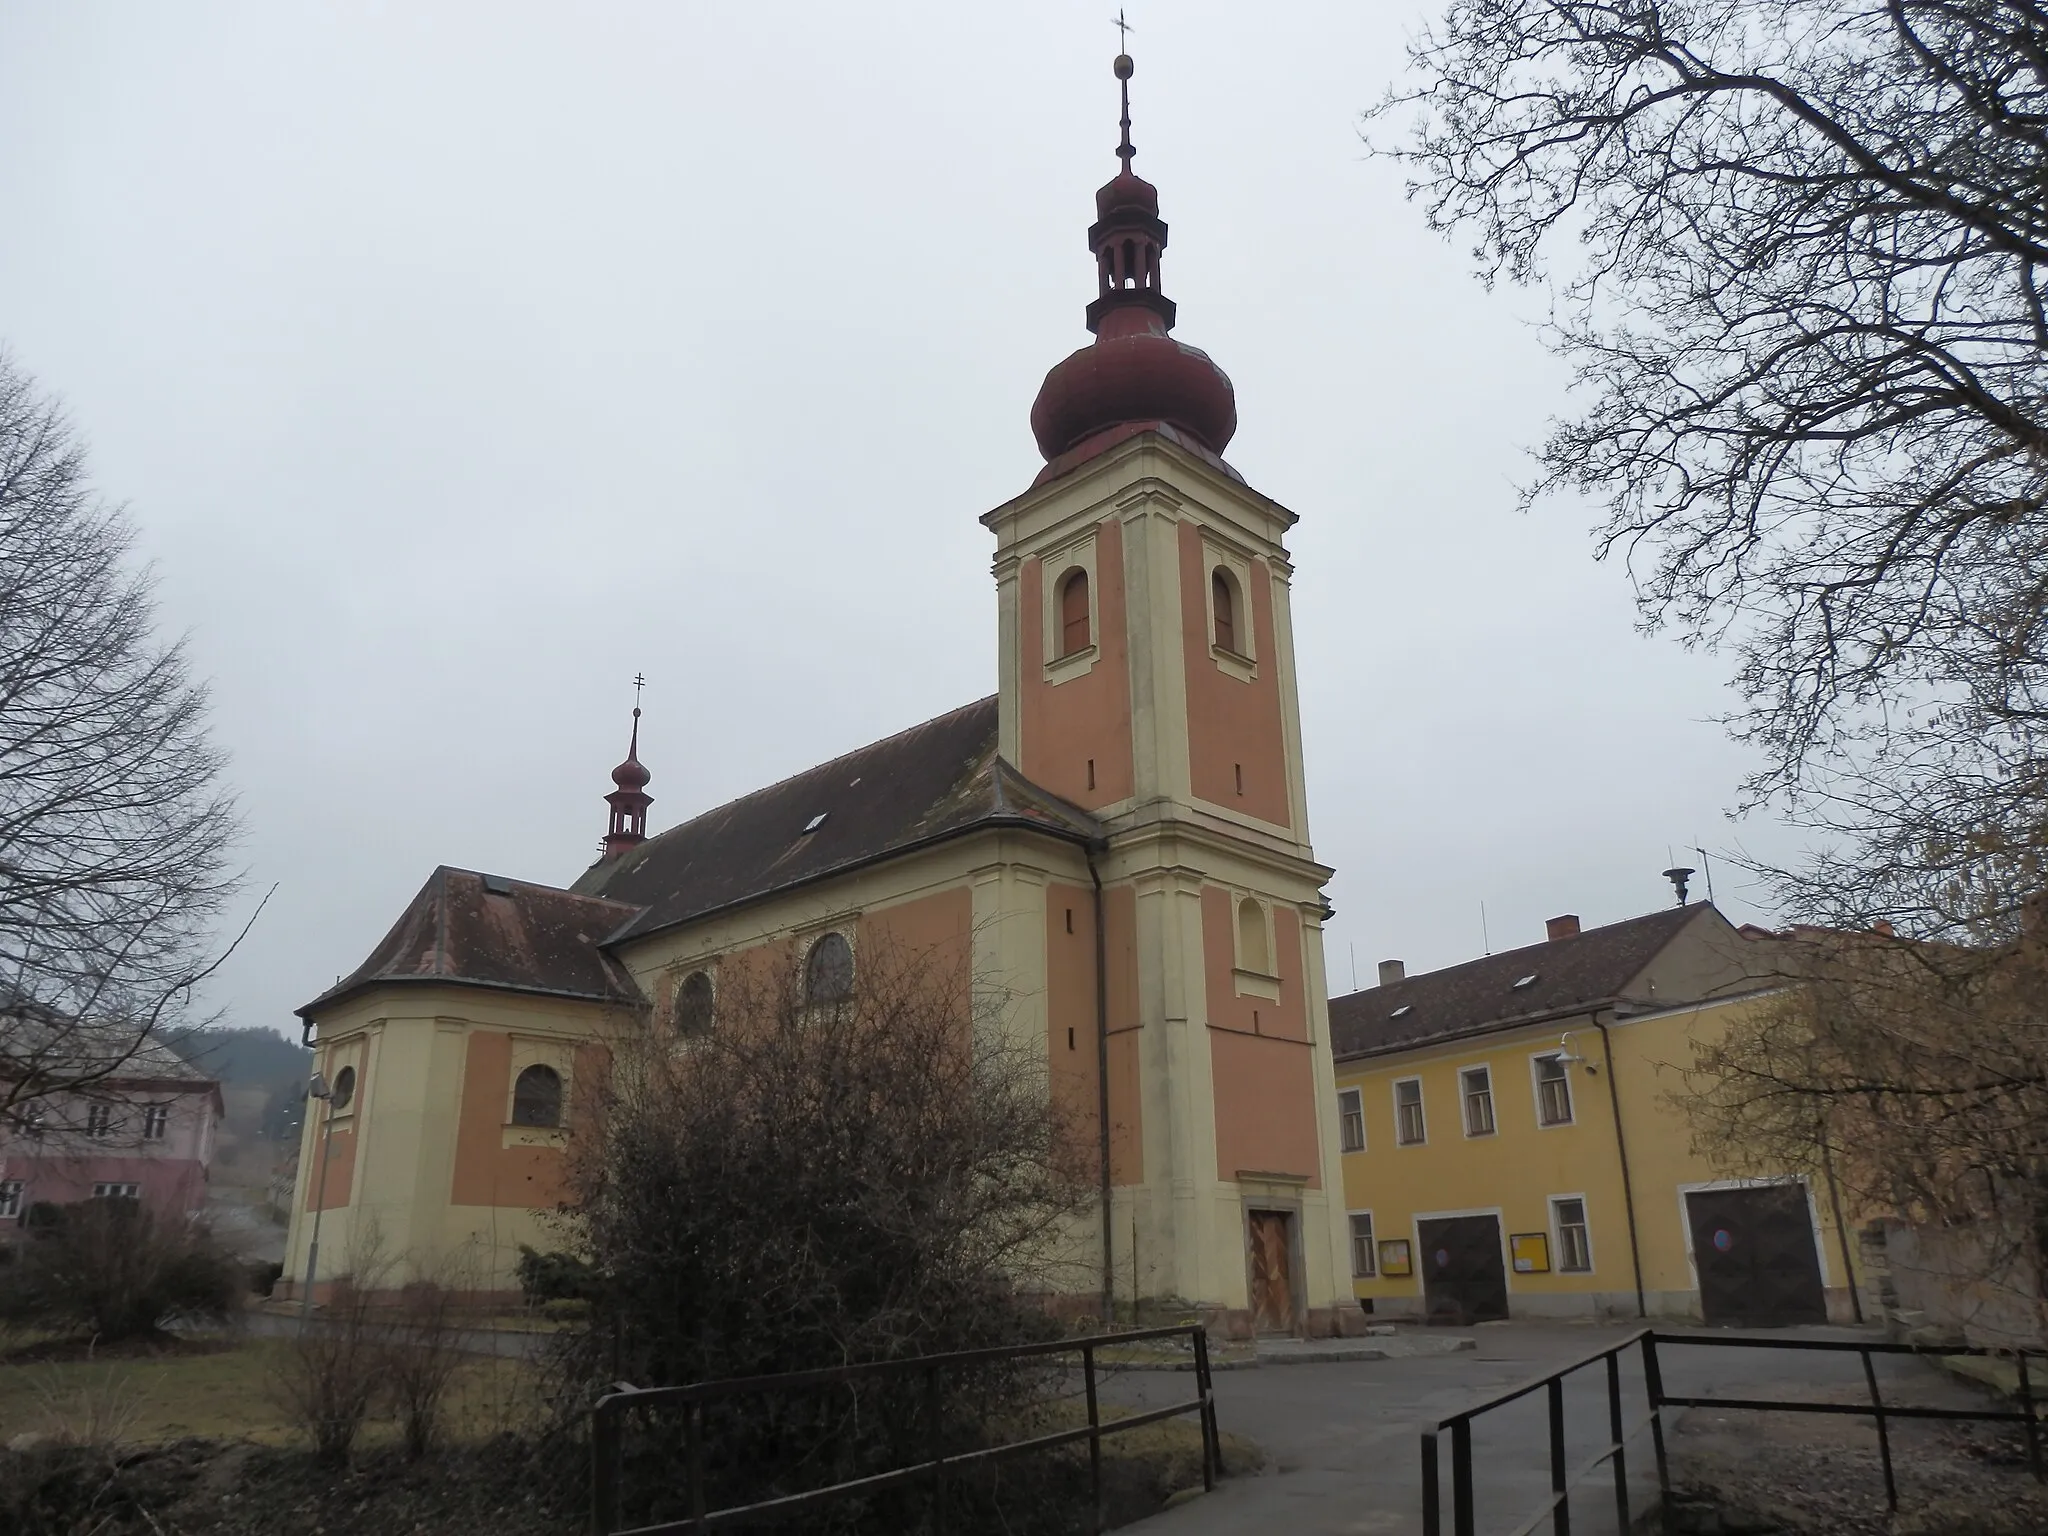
1147	675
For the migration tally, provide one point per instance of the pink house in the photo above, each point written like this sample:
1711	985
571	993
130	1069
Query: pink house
145	1131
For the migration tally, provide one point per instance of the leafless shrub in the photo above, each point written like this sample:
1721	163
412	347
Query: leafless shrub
423	1352
120	1270
816	1184
331	1373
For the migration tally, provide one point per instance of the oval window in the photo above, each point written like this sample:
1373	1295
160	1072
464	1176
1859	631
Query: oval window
344	1091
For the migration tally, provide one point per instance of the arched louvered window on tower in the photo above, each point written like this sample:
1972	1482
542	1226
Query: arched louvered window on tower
537	1097
828	970
1074	627
1223	598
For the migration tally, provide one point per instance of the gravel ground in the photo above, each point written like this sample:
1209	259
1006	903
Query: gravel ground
1823	1473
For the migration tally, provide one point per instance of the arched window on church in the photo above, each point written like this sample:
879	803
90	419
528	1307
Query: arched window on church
828	970
537	1097
694	1004
1253	953
1074	634
1223	598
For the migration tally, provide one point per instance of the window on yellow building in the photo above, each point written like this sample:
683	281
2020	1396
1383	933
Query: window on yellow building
1351	1120
1477	1084
1574	1248
1409	1129
1364	1260
1553	1091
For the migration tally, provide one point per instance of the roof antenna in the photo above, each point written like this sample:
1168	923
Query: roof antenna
1354	965
1707	869
1485	938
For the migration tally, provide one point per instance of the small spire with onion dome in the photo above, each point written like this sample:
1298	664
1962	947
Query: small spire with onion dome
629	800
1135	377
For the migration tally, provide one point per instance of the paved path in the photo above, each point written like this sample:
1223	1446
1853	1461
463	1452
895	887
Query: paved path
1343	1441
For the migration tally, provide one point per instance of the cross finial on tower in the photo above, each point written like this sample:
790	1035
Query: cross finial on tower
639	682
1123	66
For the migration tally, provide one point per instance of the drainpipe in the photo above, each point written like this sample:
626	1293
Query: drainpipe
1628	1188
1102	1093
1827	1165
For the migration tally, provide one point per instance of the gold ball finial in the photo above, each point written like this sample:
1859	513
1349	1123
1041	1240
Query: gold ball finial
1123	66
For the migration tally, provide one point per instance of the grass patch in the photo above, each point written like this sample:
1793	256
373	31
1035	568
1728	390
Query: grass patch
220	1388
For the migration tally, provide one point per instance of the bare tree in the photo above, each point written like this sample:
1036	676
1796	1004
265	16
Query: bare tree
115	828
1910	1077
1803	255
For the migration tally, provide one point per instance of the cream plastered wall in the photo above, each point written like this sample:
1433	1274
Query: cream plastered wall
1519	1169
424	1163
1181	1234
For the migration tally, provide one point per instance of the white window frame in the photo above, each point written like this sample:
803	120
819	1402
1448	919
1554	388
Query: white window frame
1421	1114
1372	1245
156	1122
1571	1099
1054	567
1357	1097
99	1121
10	1197
1557	1234
1465	1102
122	1190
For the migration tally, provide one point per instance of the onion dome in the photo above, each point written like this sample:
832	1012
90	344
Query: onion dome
1135	376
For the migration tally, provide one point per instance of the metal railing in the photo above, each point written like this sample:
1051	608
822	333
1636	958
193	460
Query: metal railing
1557	1509
607	1442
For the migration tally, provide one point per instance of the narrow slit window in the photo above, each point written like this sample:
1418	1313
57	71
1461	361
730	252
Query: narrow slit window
1075	634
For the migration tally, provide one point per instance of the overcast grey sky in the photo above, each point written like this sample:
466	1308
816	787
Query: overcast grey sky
458	361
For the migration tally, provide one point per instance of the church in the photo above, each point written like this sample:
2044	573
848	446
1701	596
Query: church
1119	832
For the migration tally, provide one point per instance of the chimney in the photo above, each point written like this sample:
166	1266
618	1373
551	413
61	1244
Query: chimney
1392	971
1565	927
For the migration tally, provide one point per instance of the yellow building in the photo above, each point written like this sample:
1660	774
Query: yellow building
1133	790
1512	1147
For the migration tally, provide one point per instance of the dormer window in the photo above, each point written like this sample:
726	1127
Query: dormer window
1075	634
1223	599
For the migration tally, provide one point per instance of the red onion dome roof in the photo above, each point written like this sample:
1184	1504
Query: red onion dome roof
1126	192
631	774
1142	376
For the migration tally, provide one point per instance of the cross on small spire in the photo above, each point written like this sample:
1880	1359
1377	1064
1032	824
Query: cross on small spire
639	682
1123	30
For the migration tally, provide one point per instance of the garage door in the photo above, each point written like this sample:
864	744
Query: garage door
1463	1278
1757	1263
